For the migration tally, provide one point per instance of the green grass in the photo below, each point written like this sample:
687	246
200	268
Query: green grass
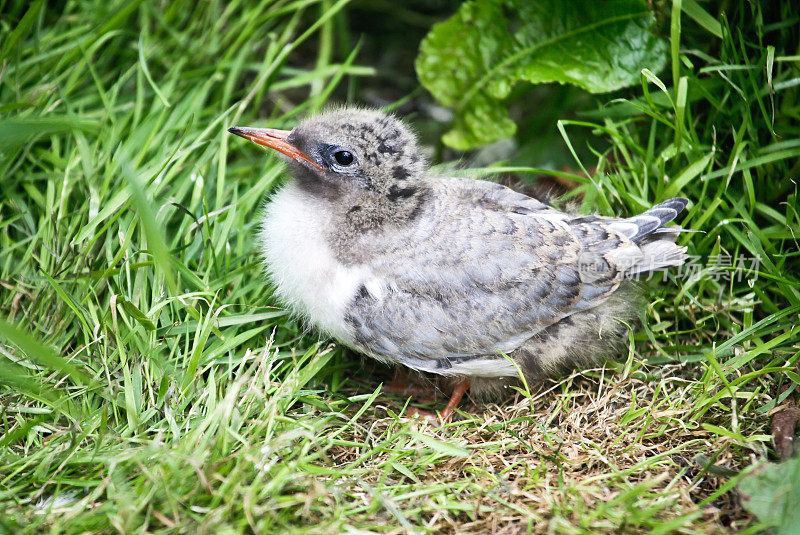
149	382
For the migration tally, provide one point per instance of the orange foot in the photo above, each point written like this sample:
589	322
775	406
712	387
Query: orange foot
397	386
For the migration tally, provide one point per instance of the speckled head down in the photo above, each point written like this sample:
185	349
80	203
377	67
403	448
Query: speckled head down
385	157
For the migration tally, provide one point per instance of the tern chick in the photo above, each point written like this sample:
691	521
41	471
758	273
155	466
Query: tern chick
462	278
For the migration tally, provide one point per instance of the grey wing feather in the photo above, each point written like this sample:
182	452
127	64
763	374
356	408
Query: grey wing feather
486	270
500	198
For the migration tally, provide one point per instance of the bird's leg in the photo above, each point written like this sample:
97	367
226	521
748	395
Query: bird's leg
458	392
402	386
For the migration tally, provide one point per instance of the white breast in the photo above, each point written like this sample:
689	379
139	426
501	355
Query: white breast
307	276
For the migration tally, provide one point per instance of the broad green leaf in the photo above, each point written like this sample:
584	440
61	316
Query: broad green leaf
772	493
471	61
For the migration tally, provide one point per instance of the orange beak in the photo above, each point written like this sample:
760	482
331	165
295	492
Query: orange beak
274	139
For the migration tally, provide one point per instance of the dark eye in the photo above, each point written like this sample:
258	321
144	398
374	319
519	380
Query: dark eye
343	157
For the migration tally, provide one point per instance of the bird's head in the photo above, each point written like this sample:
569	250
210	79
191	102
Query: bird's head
349	153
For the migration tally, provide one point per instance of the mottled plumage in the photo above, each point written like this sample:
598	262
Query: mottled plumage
441	274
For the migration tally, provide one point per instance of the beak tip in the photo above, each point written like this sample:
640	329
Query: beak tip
274	139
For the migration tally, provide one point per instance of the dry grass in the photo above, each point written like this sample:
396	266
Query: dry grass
560	459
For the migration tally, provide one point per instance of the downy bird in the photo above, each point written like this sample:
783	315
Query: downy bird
462	278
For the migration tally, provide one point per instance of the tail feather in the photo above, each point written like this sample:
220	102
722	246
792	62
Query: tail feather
675	230
655	241
658	254
639	227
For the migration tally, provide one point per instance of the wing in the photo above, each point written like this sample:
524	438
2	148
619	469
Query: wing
484	270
